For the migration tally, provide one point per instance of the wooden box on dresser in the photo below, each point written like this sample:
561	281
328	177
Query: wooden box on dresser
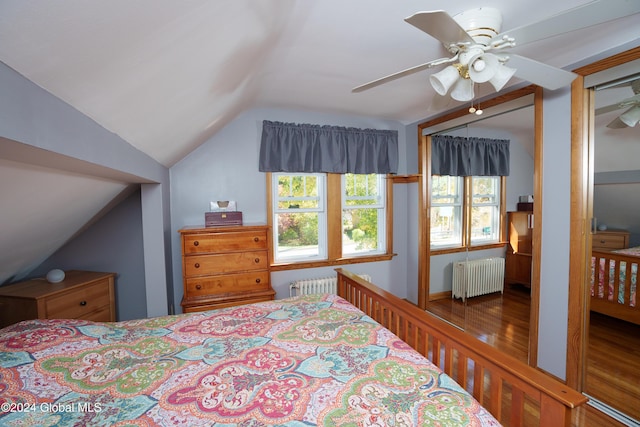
85	295
225	266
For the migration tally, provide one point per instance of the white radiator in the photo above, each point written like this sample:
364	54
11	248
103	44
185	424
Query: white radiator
477	277
319	285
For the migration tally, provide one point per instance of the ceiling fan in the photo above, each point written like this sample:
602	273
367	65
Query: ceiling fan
631	116
478	50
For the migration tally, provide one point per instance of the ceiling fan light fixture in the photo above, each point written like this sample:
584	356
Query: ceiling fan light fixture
631	117
483	67
463	90
502	75
443	80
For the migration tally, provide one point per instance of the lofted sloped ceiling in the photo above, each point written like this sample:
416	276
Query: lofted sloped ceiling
166	75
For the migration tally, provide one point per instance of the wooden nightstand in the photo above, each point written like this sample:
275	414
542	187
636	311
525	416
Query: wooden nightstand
81	295
610	240
225	266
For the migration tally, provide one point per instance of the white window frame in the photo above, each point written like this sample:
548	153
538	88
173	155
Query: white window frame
321	210
495	205
465	204
380	205
457	205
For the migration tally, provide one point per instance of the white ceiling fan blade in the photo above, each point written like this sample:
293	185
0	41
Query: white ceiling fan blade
587	15
539	73
607	109
397	75
617	124
629	101
440	25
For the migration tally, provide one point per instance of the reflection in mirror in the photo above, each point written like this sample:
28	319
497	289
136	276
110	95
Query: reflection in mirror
613	352
498	318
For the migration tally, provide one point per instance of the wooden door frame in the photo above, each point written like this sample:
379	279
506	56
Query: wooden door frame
424	172
582	116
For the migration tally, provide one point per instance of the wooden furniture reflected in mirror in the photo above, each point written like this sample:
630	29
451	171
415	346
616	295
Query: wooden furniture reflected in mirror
607	240
519	250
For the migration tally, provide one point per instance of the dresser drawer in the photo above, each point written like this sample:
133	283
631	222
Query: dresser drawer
606	242
200	265
80	302
225	242
227	303
228	283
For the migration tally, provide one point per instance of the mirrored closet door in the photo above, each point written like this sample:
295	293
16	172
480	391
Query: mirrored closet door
501	319
612	362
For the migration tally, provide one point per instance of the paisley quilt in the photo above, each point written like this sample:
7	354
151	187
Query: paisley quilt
305	361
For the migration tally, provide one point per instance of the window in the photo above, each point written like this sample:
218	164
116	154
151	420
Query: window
329	219
446	211
485	210
465	212
300	216
363	214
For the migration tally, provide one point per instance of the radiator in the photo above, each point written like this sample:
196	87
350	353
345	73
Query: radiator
319	285
477	277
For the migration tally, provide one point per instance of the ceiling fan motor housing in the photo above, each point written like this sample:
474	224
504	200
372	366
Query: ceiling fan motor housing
482	23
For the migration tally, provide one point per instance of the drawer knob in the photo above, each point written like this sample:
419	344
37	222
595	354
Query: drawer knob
83	303
256	239
257	280
198	287
257	260
196	243
197	265
602	241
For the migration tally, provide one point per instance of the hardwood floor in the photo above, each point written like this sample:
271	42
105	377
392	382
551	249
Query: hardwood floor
613	368
503	322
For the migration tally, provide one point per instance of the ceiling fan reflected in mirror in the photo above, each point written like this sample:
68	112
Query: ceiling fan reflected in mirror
479	52
631	116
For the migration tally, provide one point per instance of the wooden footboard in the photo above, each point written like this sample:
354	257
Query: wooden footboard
515	393
611	276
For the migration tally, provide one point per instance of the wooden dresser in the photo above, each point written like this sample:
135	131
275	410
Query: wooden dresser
225	266
610	240
81	295
519	250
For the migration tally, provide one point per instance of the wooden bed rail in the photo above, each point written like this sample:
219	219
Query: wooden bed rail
612	275
515	393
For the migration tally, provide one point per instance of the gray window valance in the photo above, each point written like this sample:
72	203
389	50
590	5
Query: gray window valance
459	156
289	147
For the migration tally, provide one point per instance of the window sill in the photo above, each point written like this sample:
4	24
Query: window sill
331	262
464	249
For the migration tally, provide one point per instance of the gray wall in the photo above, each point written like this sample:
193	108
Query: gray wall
37	120
112	244
226	168
556	220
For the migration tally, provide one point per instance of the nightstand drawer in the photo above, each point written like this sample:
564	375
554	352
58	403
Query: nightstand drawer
82	294
228	283
200	265
225	242
610	240
80	302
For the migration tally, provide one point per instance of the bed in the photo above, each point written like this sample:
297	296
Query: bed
614	276
303	361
